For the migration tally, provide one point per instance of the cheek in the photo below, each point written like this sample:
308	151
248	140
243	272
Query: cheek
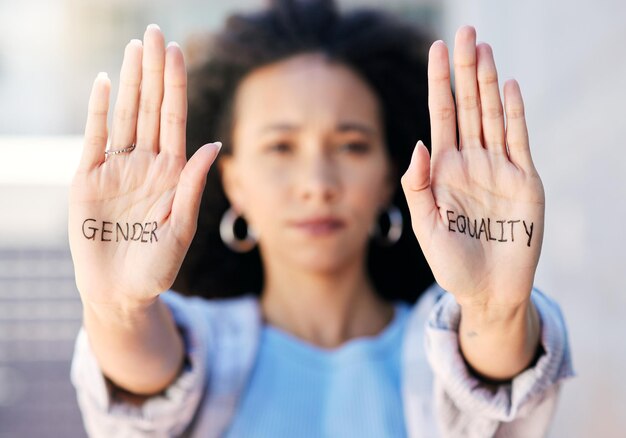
367	197
369	186
264	194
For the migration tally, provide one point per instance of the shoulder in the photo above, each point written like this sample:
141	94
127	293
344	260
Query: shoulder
417	319
220	306
234	316
427	301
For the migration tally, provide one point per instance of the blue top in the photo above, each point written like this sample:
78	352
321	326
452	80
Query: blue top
300	390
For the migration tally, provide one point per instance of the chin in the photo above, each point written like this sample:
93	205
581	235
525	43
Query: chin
321	259
323	254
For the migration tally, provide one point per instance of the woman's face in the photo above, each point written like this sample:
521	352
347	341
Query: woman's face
309	170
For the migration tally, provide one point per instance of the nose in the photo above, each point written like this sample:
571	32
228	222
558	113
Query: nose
319	179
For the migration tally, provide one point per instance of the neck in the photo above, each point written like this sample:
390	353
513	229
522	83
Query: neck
323	308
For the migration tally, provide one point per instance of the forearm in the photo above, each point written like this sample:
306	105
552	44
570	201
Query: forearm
138	348
499	343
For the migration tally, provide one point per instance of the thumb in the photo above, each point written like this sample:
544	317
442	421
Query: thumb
418	192
186	204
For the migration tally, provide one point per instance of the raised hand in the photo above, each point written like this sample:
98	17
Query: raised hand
477	207
133	214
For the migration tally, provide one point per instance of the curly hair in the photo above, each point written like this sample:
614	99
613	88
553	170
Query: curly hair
389	54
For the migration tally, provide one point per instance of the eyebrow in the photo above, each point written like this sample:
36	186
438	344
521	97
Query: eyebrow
341	127
355	126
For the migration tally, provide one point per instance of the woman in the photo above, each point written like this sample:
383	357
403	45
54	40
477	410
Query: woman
313	130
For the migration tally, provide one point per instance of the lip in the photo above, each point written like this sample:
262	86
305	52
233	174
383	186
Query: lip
319	226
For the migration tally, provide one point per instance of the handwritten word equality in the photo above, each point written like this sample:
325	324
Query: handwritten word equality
504	231
109	231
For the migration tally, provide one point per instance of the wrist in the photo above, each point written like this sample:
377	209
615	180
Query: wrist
490	314
124	312
499	342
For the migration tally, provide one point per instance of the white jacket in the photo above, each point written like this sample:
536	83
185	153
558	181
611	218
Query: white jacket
441	397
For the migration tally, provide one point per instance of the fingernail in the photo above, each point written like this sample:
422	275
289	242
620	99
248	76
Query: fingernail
414	154
423	145
135	41
173	44
154	26
219	145
102	75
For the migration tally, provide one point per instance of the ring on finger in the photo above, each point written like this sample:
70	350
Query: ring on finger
127	149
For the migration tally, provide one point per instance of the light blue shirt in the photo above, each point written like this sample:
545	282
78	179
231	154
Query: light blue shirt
299	390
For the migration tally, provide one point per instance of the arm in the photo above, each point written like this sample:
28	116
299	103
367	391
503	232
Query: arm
132	215
110	410
139	349
499	344
466	405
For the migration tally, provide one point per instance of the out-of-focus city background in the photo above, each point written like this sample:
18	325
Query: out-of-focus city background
569	57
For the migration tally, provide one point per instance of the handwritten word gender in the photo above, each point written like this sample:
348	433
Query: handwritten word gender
505	230
105	231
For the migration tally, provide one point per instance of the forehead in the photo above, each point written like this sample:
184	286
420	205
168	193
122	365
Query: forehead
306	89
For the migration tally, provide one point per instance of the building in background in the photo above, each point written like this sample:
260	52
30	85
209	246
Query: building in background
570	60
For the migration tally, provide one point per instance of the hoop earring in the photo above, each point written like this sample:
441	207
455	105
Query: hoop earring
394	233
227	233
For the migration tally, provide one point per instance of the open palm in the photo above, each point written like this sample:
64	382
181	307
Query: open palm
132	215
477	207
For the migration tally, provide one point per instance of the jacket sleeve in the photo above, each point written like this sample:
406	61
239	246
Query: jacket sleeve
165	415
468	407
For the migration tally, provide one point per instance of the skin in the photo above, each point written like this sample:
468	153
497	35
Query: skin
488	173
300	158
316	151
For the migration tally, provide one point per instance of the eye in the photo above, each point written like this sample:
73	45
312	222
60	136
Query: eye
356	147
281	147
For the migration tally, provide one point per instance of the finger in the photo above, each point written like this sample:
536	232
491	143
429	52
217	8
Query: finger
174	108
516	131
490	101
440	101
151	90
96	126
186	204
467	97
126	106
419	195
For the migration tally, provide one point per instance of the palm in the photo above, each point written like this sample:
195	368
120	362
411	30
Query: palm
132	216
494	258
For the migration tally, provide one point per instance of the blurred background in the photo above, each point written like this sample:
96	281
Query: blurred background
569	57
